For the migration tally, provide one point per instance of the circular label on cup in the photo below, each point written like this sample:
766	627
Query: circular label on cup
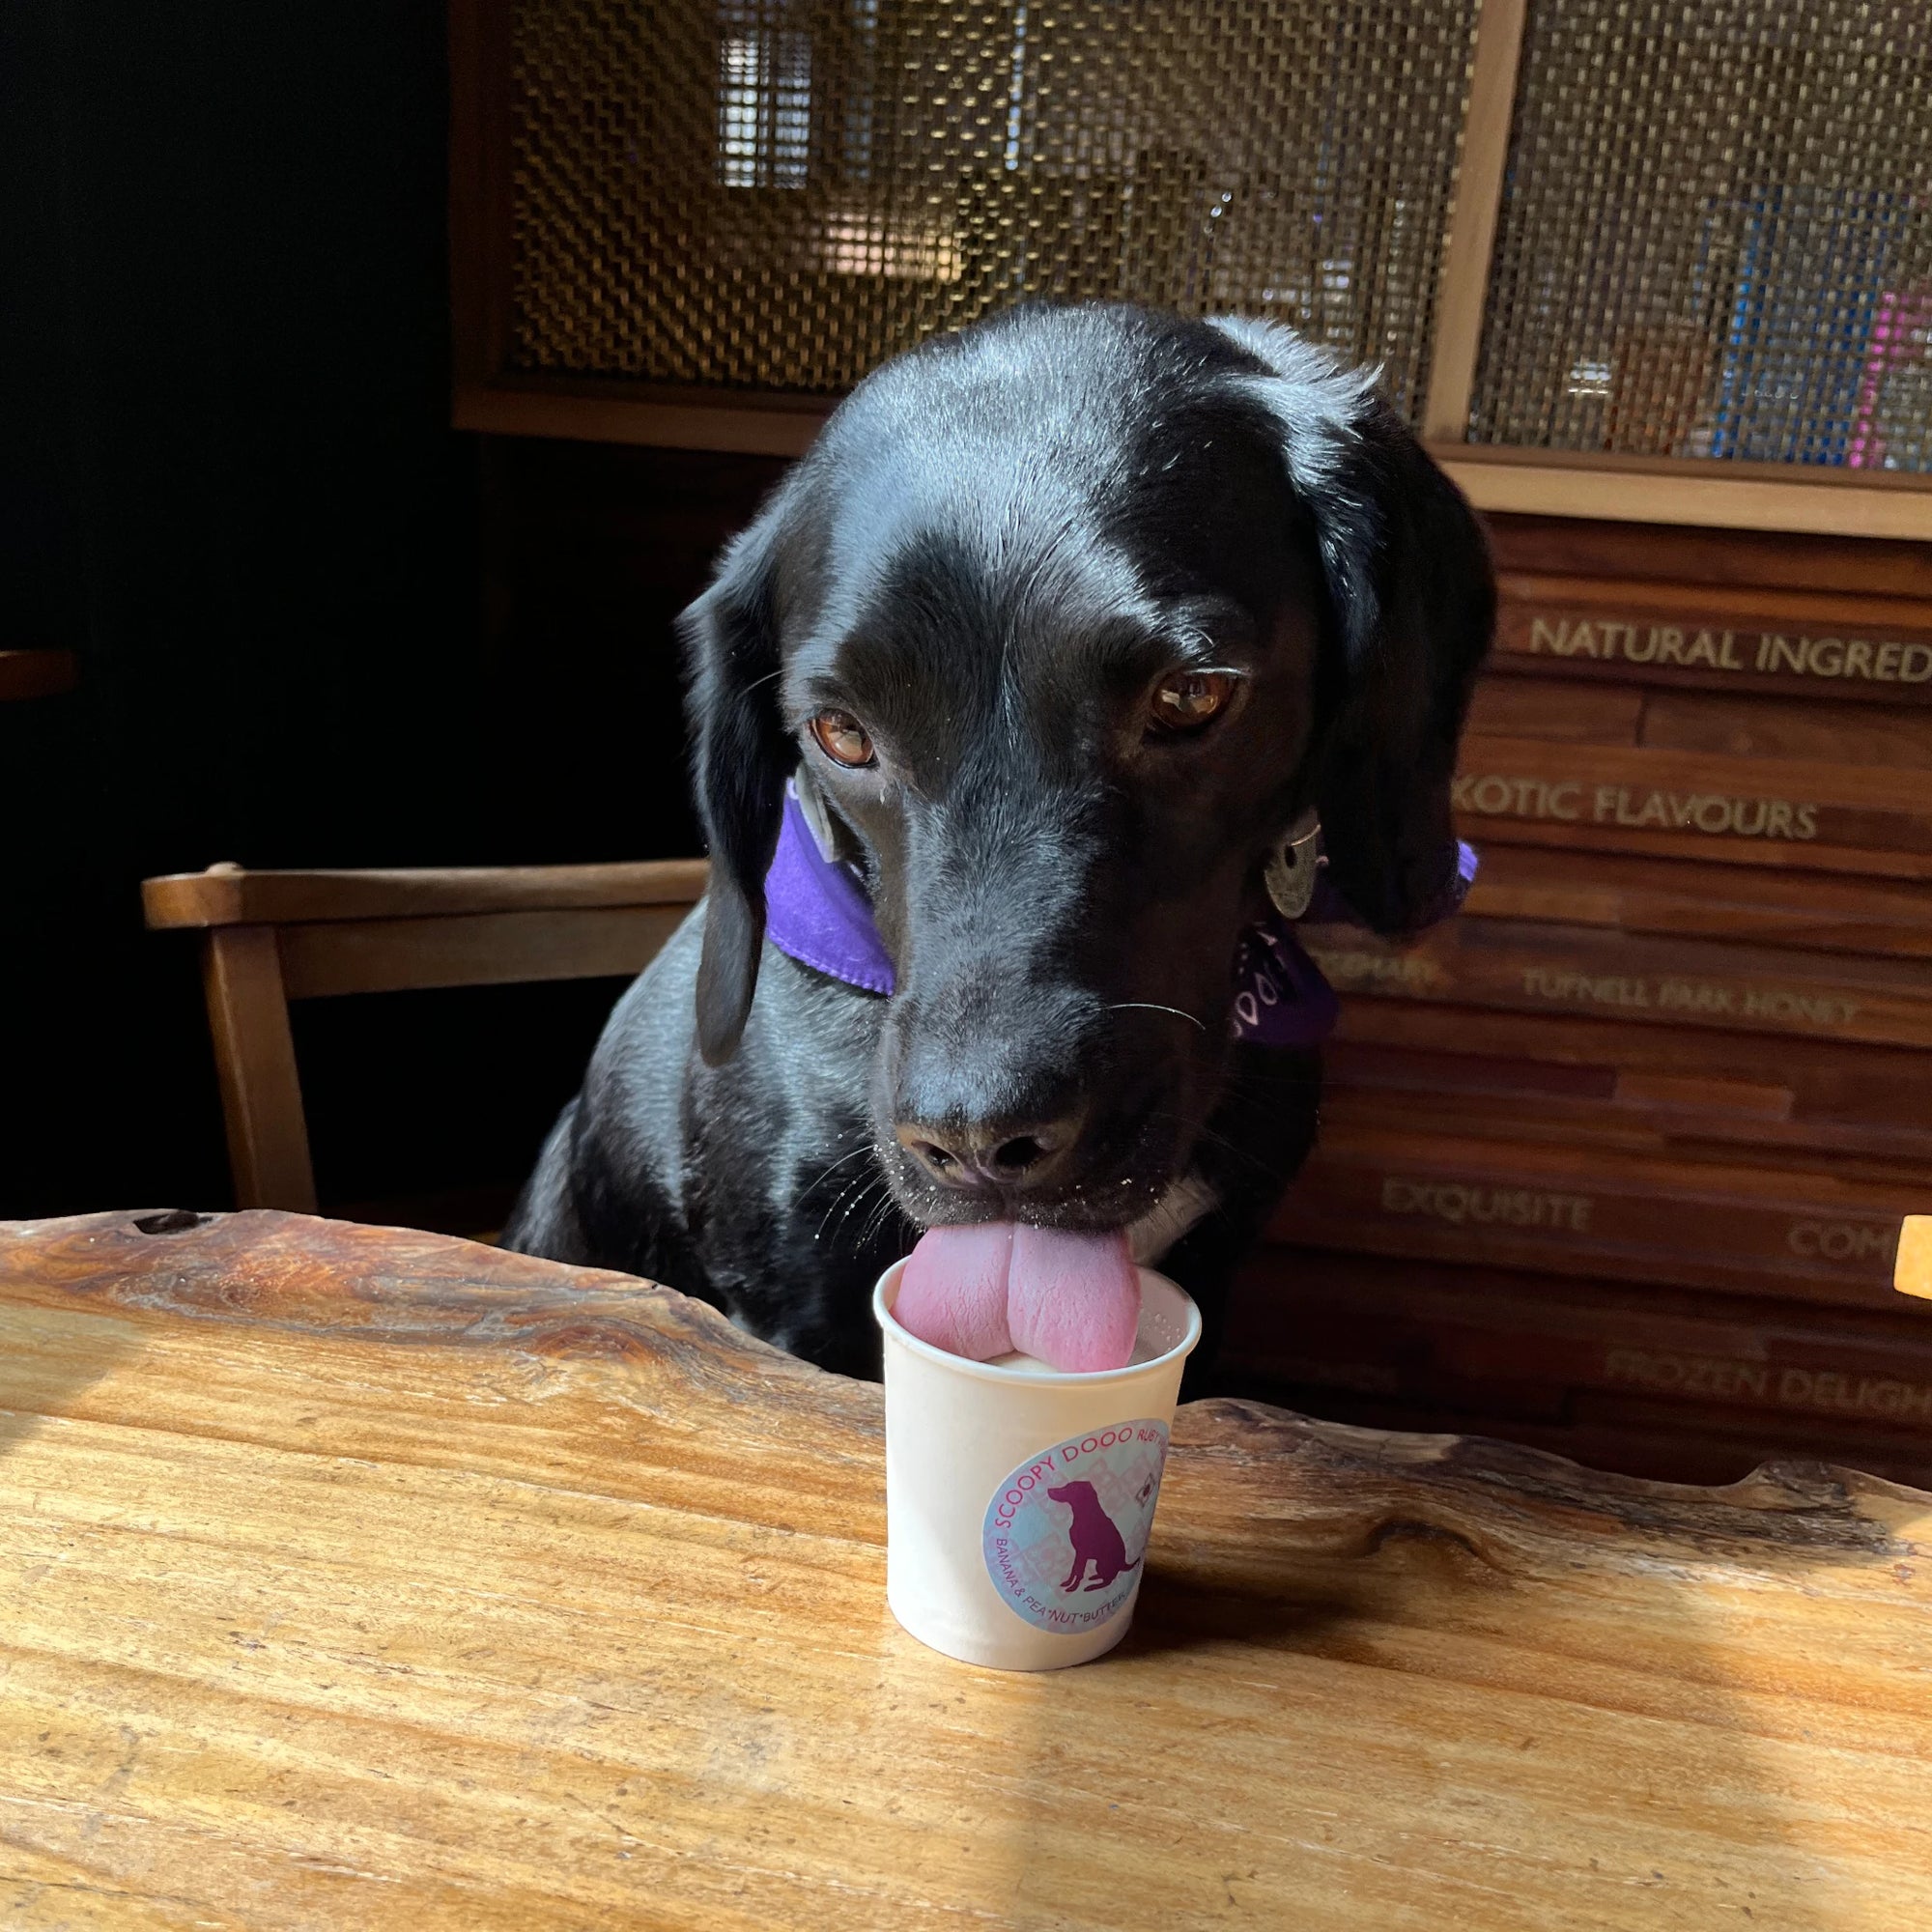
1065	1532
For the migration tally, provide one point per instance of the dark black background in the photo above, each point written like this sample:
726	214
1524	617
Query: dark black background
317	627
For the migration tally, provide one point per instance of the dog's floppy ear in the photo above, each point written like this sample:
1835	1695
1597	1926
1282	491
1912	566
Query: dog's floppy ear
741	753
1412	602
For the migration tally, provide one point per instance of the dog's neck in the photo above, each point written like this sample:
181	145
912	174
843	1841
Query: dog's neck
816	912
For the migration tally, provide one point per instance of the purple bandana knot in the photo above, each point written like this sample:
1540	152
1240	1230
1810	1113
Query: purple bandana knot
816	912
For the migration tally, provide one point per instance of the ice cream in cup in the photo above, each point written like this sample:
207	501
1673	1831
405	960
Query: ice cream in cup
1020	1498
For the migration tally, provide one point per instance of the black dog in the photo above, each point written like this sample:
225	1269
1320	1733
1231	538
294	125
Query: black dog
1062	623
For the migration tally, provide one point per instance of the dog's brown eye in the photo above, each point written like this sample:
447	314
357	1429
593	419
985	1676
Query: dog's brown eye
1184	700
842	738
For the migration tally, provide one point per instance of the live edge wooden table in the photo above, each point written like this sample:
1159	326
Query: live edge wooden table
361	1578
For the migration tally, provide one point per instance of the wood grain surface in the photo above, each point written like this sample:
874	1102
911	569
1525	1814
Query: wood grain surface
1677	1049
1556	1359
1696	900
1705	637
1378	1183
1860	818
1727	569
1539	966
1719	1096
362	1578
26	674
1750	727
1679	1118
1828	1081
230	896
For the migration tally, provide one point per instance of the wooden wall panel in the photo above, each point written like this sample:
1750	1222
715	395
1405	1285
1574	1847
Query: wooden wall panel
1899	735
1720	565
1844	1098
1563	711
1756	905
1650	1379
1535	967
1861	648
1615	1161
1803	1234
1842	815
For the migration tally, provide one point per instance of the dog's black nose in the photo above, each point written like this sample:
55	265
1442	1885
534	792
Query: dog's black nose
997	1153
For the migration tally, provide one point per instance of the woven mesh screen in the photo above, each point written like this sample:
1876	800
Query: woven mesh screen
780	193
1715	235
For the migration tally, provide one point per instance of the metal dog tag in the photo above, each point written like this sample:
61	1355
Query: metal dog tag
1291	872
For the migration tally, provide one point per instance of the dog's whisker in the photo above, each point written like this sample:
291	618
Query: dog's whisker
892	1212
845	1203
857	1189
826	1173
830	1172
837	1233
886	1206
1154	1006
854	1194
876	1220
854	1199
825	1219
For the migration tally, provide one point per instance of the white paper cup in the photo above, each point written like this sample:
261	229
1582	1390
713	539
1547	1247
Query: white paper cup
983	1561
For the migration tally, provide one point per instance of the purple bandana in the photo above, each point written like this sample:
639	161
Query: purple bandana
817	913
816	910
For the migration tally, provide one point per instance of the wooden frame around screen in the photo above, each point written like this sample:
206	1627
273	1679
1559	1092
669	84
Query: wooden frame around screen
492	399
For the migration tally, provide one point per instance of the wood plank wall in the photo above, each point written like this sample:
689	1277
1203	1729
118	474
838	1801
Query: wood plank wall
1615	1163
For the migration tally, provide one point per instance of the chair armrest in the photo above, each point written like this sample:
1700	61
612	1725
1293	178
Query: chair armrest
37	673
225	895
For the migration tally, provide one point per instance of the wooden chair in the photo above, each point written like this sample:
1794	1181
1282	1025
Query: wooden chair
272	937
37	673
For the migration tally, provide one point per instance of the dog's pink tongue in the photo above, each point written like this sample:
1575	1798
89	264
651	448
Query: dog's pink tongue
953	1290
1072	1301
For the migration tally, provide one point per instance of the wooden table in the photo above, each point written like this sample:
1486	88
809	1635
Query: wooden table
354	1577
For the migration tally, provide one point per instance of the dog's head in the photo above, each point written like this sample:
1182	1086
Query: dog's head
1066	619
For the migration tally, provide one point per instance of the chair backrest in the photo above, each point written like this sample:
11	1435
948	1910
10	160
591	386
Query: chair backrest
272	937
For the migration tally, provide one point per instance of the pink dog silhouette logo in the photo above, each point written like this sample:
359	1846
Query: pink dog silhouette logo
1096	1539
1066	1531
